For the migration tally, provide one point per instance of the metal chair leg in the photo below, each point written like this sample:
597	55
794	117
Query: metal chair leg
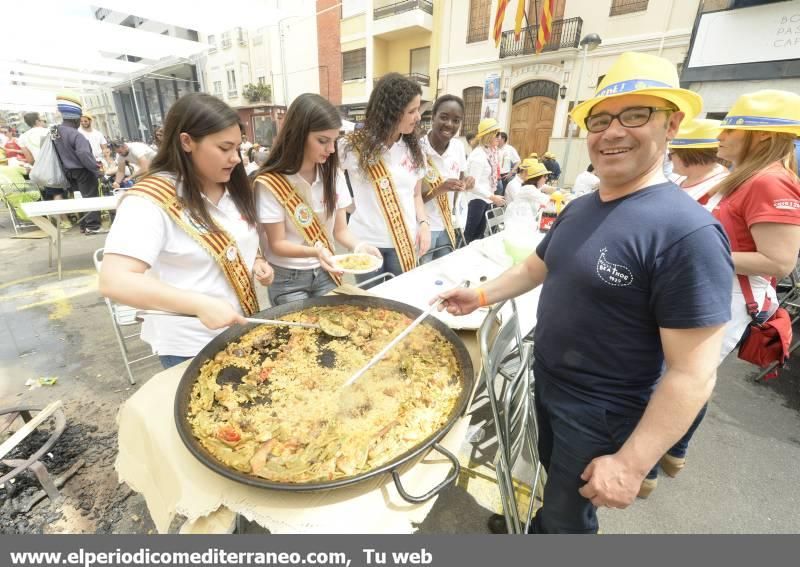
123	350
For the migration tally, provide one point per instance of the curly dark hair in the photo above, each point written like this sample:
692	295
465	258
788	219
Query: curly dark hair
388	101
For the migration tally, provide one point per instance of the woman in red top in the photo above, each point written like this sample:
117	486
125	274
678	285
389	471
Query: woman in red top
758	205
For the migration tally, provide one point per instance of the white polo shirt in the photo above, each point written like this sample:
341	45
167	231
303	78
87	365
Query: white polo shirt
136	151
450	165
143	231
508	155
270	211
32	140
367	222
96	141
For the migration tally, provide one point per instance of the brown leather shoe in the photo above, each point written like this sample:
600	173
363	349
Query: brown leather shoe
672	465
648	486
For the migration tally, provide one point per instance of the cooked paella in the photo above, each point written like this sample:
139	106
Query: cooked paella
272	403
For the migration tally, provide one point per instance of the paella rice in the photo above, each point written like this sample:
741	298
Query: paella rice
272	403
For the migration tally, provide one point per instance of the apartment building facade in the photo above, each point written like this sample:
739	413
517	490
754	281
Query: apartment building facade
536	92
260	70
376	37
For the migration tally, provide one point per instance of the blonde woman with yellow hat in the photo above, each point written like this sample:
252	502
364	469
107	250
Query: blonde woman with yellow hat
694	158
758	205
483	165
635	296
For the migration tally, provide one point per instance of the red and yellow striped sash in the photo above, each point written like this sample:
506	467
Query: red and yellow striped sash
433	179
219	245
382	180
305	220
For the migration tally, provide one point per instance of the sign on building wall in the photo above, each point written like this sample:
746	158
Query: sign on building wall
748	35
491	96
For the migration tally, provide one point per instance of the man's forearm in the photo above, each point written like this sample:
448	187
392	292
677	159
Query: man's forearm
673	407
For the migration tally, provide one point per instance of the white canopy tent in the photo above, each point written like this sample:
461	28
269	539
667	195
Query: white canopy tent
69	47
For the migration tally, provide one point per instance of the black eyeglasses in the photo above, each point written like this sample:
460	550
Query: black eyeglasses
633	117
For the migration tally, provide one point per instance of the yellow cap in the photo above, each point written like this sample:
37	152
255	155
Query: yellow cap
533	168
698	133
767	110
486	126
642	74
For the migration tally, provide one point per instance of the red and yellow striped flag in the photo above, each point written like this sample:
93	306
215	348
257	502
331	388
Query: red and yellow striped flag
519	18
498	21
545	24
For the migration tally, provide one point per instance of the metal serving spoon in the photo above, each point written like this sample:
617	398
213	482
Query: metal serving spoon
326	326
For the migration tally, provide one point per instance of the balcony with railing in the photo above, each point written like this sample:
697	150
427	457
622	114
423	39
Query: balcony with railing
566	33
391	20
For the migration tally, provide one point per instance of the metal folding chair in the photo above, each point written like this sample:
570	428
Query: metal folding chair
429	254
506	370
494	220
123	316
13	195
379	279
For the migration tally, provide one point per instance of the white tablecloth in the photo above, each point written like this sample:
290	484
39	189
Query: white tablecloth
482	260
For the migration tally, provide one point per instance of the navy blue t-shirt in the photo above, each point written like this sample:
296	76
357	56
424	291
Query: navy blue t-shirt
616	272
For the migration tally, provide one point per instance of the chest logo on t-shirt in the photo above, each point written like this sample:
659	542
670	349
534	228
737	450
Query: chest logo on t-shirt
786	204
611	273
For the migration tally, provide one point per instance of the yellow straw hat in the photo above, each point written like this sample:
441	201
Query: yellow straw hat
642	74
486	126
533	168
767	111
88	115
548	155
533	155
698	133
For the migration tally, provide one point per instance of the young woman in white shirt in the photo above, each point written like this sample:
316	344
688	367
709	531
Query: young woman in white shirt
450	164
303	162
385	166
483	165
199	169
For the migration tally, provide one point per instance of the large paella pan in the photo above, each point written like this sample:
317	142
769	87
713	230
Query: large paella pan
264	405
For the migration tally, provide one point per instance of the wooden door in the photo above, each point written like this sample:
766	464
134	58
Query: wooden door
532	125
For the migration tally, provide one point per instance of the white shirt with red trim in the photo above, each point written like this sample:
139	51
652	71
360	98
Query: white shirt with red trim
699	191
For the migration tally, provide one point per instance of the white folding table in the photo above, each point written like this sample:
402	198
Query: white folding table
40	212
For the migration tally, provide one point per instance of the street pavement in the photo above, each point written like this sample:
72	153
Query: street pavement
742	475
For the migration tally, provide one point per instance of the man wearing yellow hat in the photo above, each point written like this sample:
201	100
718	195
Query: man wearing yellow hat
635	277
96	139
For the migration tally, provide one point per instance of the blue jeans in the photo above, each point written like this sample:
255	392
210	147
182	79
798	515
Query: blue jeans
391	264
476	220
170	360
438	238
298	284
571	434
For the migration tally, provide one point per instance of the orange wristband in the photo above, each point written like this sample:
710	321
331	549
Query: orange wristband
481	297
